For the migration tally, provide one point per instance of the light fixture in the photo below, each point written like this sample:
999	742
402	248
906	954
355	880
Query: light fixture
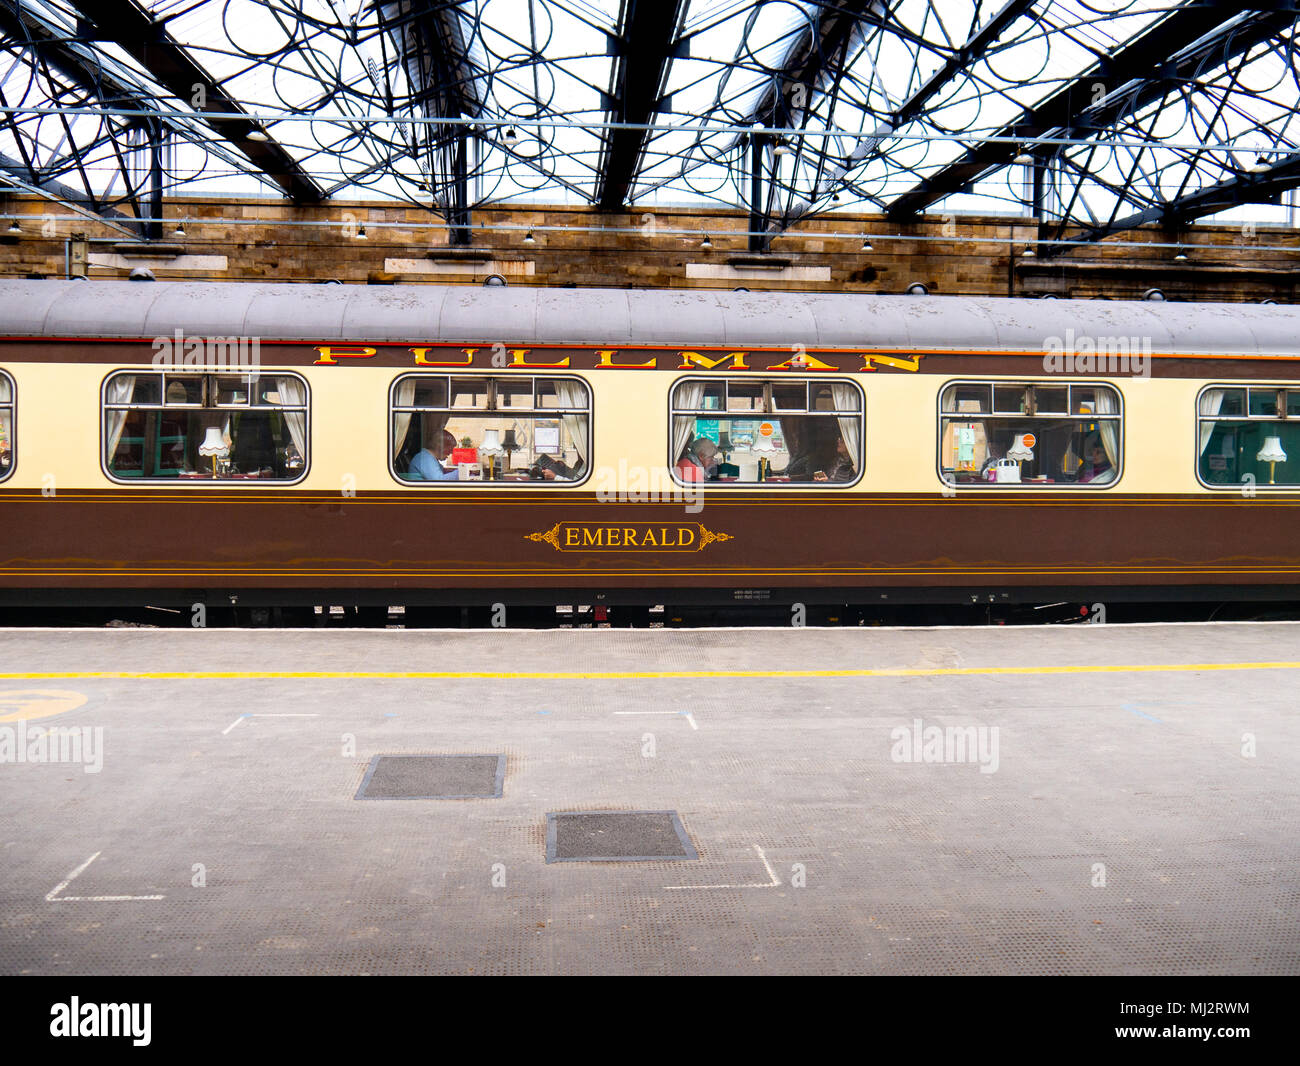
491	447
835	198
511	135
1023	158
781	148
1021	450
918	288
1153	294
495	280
361	233
14	227
1272	454
706	244
258	134
179	231
866	244
1029	252
1181	257
1260	166
529	238
214	446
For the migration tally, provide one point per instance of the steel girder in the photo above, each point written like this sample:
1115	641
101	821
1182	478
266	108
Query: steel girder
644	48
149	43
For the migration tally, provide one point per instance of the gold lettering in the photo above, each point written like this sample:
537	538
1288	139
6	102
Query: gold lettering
629	537
913	364
708	364
687	532
571	536
331	356
420	360
607	362
648	541
611	539
521	359
591	536
805	362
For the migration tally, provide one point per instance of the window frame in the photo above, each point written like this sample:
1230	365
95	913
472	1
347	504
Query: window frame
531	412
13	424
1198	418
775	415
201	483
1120	416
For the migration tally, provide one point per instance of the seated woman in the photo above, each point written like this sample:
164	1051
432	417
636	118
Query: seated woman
1095	465
699	461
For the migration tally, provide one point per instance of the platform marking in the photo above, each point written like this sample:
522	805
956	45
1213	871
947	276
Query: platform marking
639	675
1134	707
773	883
53	895
268	715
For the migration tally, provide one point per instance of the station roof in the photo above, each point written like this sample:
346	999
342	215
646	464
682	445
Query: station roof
1093	115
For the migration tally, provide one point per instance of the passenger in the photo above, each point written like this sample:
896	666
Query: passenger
699	462
429	464
1095	466
842	470
548	469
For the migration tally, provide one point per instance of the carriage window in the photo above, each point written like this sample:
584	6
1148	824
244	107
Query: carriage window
206	427
1027	433
777	432
1249	435
452	428
6	425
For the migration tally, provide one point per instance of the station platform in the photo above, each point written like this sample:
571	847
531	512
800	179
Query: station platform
1083	799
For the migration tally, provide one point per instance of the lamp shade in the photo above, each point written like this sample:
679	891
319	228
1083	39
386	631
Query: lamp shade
214	443
1022	449
491	442
724	441
764	444
1271	452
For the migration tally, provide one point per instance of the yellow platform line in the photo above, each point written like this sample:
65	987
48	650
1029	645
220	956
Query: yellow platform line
618	675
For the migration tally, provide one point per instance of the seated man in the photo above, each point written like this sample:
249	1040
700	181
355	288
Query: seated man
429	463
699	462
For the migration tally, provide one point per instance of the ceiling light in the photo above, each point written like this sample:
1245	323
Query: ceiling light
1181	257
1029	252
14	227
706	244
866	245
1261	165
918	289
781	148
179	231
361	233
529	238
1023	158
1153	294
510	135
257	134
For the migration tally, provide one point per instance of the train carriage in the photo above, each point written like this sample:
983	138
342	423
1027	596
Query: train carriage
284	446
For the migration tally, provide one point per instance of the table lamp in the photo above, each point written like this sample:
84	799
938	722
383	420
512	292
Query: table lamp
491	447
1272	454
764	446
214	445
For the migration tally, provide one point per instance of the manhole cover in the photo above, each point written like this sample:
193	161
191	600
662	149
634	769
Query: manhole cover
404	777
616	836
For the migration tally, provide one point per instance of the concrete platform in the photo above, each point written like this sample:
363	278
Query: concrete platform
1074	816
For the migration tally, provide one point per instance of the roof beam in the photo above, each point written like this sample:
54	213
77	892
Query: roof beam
646	46
1146	58
148	42
1254	188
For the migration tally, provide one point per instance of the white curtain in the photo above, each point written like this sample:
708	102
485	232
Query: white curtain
689	394
5	394
292	391
1211	402
402	419
1108	429
574	394
120	390
846	399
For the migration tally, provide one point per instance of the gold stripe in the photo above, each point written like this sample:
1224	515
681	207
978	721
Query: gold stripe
475	675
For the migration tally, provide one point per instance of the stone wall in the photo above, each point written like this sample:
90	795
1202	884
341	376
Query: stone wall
254	240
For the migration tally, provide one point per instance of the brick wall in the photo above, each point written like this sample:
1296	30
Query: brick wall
247	240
